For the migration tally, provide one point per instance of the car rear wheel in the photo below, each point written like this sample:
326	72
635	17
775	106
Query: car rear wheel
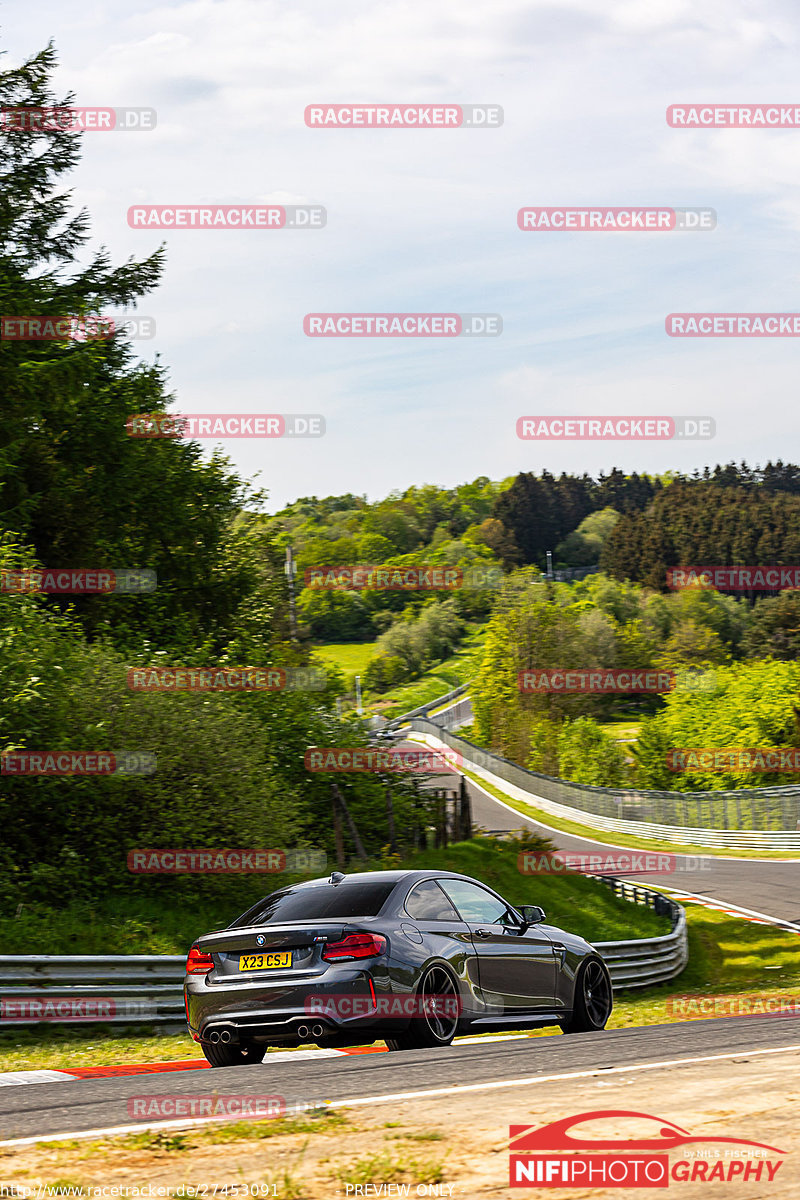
592	1002
437	1020
232	1054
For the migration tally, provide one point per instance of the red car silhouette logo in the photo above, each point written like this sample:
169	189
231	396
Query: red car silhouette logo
667	1136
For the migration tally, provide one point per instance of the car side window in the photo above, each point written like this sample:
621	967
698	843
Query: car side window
427	902
476	904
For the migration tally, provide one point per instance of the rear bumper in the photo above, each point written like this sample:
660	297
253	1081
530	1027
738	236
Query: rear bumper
284	1011
291	1030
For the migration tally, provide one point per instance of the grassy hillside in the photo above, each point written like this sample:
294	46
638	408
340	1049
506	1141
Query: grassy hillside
451	673
580	905
154	926
350	657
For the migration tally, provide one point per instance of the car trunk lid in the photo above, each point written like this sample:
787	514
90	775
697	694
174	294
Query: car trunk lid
247	952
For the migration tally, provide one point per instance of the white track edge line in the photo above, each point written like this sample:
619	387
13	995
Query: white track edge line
360	1101
727	905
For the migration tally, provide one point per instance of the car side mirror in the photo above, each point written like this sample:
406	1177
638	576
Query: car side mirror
531	914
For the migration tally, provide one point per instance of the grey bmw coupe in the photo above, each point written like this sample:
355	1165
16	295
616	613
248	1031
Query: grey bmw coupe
410	957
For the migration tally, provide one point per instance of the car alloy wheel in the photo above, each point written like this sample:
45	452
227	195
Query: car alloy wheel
593	999
437	1022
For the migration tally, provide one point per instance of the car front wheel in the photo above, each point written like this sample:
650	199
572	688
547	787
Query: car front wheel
592	1001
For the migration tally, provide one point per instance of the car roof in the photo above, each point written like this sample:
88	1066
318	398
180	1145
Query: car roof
386	877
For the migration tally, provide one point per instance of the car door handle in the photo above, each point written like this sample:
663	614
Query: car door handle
482	933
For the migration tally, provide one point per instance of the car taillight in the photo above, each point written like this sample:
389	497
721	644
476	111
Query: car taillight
355	945
198	963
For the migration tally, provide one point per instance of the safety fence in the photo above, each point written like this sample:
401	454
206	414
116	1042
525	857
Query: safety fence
752	818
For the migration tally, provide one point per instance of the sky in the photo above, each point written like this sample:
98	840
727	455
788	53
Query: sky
426	221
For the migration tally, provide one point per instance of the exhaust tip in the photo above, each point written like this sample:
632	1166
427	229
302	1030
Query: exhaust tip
317	1031
225	1036
302	1031
213	1037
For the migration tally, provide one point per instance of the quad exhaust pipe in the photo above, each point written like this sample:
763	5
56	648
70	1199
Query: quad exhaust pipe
304	1032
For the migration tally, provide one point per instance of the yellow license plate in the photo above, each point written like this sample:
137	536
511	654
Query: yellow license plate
264	962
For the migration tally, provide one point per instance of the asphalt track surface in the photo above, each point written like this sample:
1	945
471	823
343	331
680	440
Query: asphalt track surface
769	887
493	1069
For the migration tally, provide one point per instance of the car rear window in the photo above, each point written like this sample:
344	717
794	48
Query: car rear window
301	904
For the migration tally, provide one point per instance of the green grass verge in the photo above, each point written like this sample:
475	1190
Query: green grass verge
351	658
728	957
120	925
59	1047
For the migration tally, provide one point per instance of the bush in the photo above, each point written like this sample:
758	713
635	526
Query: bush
408	648
586	754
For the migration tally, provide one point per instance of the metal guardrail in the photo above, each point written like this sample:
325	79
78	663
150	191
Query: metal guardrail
755	818
117	989
455	715
394	722
643	962
142	989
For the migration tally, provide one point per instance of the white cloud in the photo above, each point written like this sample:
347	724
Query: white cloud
426	220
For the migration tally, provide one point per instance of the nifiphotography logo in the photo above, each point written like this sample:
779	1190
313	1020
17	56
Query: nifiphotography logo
632	1149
